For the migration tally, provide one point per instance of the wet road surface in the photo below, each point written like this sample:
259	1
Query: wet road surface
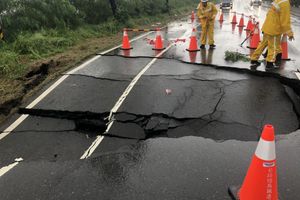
228	37
186	128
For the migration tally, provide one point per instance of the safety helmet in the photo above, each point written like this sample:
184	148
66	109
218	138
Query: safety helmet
204	1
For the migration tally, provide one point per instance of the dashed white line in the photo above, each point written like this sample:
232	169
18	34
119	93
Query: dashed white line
6	169
16	123
99	139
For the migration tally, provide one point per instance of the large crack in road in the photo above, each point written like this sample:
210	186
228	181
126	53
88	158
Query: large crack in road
221	119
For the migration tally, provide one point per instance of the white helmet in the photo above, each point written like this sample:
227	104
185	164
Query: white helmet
204	1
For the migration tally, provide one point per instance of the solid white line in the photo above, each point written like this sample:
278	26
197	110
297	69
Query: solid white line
99	139
6	169
13	126
298	75
8	130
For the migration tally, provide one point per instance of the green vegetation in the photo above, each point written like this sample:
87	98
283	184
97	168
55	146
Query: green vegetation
36	29
236	56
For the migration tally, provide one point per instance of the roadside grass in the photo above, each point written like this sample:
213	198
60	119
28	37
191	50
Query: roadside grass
29	47
65	48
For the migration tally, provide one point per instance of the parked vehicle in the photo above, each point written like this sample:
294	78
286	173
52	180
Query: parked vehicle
256	2
226	4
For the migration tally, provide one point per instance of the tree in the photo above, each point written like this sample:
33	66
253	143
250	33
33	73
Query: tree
113	6
167	6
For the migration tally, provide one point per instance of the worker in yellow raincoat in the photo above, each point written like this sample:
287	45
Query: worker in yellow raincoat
207	13
277	23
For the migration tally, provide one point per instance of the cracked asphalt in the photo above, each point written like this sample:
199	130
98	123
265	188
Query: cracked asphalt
186	129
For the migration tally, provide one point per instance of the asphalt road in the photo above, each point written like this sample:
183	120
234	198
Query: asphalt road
128	125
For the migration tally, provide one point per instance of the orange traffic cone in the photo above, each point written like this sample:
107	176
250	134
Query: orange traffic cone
261	179
193	42
253	24
221	17
284	47
125	43
255	39
234	19
241	24
159	45
249	25
193	16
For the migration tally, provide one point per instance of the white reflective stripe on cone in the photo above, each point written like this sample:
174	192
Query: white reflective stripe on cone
266	150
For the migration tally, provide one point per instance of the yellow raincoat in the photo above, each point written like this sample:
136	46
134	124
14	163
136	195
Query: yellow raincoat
278	22
207	17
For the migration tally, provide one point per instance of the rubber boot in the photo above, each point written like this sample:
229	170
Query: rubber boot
212	46
270	65
278	59
255	63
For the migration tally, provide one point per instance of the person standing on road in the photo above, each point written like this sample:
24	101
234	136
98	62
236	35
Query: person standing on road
207	13
277	23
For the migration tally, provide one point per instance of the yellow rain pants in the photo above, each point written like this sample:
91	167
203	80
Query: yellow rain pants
273	43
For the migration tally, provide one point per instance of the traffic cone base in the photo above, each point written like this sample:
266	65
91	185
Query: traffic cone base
158	49
126	48
249	47
195	50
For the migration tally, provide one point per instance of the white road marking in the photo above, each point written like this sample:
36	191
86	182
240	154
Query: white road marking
298	75
6	169
99	139
14	125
